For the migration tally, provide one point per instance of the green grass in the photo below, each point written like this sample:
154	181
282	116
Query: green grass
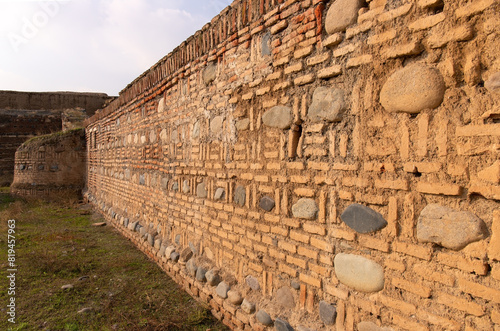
56	245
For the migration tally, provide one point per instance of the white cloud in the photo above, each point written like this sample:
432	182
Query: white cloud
93	45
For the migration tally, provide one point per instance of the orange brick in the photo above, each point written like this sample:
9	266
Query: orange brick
425	272
292	248
402	306
296	261
443	189
343	234
423	253
299	236
443	322
322	271
466	264
460	304
370	242
479	290
304	192
287	270
322	245
336	292
412	287
307	253
310	280
408	324
314	228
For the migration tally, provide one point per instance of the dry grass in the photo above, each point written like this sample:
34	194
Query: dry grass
56	245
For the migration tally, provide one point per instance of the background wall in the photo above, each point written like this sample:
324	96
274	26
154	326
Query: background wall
51	166
27	114
335	162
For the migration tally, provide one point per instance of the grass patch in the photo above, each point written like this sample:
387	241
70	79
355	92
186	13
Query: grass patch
123	290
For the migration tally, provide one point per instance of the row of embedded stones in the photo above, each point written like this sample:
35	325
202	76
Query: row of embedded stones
411	90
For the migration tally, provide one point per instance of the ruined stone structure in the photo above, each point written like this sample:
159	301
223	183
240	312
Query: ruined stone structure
318	165
51	166
27	114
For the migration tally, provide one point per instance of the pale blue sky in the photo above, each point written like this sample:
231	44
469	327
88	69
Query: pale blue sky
92	45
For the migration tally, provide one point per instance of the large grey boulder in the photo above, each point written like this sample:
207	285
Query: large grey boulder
359	273
341	14
328	104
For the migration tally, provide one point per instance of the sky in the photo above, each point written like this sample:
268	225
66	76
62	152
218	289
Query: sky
92	45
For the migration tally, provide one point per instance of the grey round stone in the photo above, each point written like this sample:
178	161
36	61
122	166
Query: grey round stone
213	277
125	222
169	250
150	239
178	239
243	124
222	289
191	267
266	44
216	125
285	298
201	274
264	317
196	130
209	73
142	180
413	89
327	313
234	297
305	208
185	186
186	254
358	272
295	284
240	195
175	186
449	228
341	14
363	219
267	203
328	104
220	194
280	117
253	283
193	247
164	183
492	84
162	250
174	256
157	243
247	306
201	191
282	325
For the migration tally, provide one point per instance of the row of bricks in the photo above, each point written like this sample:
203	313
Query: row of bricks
379	300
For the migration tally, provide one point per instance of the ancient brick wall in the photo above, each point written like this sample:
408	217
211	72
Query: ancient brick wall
335	163
51	165
27	114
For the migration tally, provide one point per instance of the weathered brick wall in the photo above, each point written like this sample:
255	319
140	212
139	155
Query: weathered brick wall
335	161
27	114
51	166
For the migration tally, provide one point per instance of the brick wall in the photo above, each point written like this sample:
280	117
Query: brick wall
27	114
51	166
336	162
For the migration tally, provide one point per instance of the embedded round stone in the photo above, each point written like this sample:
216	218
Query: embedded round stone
413	89
492	84
248	307
243	125
220	193
341	14
216	125
253	283
201	190
174	256
191	267
196	130
161	105
209	73
267	203
284	297
449	228
201	274
359	273
240	195
213	277
305	208
327	313
186	254
278	117
185	186
282	325
169	250
328	104
234	297
363	219
222	289
264	317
